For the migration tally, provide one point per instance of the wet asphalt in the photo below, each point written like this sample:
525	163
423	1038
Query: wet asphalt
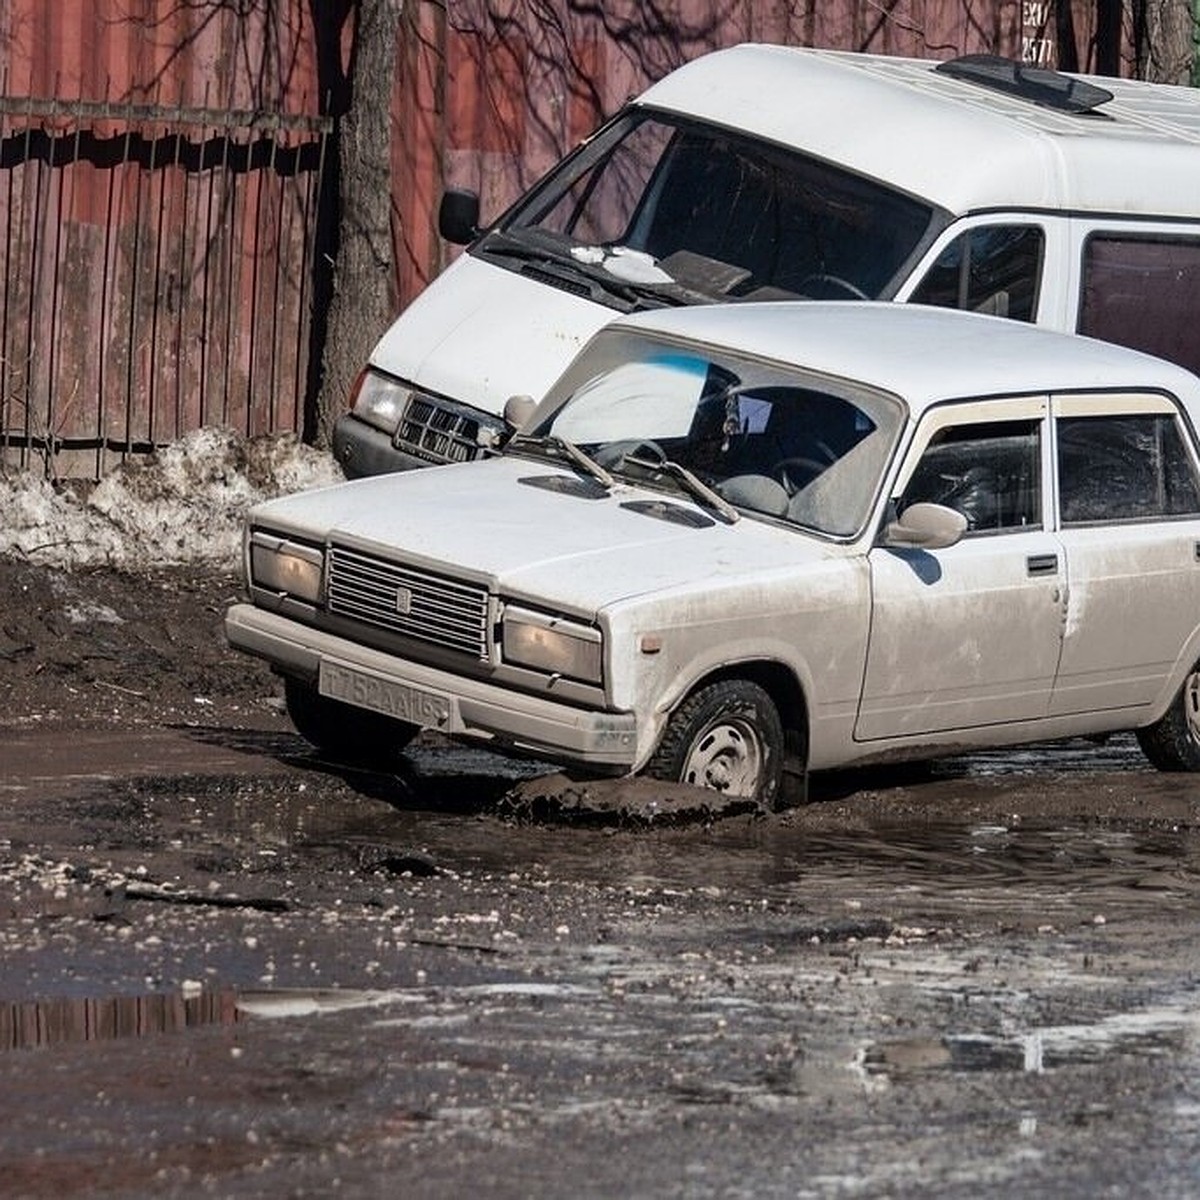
233	969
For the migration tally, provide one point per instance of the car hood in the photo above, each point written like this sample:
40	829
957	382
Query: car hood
583	553
480	334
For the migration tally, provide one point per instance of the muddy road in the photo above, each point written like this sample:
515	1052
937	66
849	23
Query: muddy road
232	968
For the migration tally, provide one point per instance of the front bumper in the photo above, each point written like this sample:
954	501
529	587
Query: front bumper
452	704
361	450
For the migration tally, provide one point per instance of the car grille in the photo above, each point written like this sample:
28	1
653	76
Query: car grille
432	430
450	613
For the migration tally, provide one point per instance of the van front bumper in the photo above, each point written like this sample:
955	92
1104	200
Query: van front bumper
433	698
361	449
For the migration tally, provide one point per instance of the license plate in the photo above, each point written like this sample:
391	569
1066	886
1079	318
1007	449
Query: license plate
413	705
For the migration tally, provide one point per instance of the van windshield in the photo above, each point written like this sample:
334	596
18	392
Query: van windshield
659	210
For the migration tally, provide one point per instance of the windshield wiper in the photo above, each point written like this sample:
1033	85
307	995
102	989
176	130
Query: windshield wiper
567	449
636	295
509	246
693	484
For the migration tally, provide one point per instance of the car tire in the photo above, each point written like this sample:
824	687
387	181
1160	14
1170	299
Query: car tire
343	731
1172	743
726	737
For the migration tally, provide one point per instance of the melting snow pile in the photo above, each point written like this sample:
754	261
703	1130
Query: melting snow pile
183	504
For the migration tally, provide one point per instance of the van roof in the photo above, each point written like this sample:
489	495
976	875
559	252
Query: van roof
922	354
951	141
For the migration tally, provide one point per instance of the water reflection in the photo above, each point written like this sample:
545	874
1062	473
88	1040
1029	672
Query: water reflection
1168	1031
32	1024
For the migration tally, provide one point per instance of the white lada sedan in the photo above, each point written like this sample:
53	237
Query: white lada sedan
738	543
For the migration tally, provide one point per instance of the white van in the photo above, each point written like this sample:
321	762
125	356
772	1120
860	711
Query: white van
768	172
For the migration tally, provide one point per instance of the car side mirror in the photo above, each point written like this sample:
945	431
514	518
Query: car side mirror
518	410
458	216
925	526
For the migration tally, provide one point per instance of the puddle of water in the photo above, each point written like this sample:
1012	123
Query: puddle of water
1117	753
1071	858
1168	1032
307	1002
766	861
34	1024
280	1003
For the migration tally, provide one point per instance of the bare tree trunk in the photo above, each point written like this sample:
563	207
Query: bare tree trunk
1168	52
362	293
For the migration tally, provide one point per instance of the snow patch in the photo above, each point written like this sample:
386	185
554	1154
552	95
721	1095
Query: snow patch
90	612
182	505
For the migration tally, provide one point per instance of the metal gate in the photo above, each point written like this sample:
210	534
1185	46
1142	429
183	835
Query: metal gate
156	269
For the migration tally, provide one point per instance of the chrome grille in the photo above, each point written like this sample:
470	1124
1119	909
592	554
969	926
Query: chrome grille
437	432
449	613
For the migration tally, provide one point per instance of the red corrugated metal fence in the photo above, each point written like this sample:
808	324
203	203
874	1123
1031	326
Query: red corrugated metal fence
161	166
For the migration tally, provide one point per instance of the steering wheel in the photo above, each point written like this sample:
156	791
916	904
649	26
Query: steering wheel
835	281
795	473
613	454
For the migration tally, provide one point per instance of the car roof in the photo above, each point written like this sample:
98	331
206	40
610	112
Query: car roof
922	354
951	141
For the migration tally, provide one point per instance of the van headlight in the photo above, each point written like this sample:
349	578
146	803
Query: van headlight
380	401
289	568
552	644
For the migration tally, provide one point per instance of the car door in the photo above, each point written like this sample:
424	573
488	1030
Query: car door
968	635
1129	514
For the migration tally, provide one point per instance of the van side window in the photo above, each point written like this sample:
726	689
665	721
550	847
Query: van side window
993	269
1143	292
1124	468
991	473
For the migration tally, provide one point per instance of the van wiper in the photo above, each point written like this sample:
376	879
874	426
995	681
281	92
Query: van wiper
509	246
692	484
567	449
636	295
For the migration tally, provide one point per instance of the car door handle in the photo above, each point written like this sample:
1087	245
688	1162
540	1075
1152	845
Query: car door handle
1042	564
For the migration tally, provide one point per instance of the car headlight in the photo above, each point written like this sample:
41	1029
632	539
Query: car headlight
552	644
286	567
380	401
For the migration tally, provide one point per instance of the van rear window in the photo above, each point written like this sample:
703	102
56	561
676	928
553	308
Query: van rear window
1143	292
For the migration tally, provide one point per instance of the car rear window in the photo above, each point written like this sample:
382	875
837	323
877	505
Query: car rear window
1124	468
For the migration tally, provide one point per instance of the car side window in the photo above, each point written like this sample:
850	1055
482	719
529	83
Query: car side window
993	269
1143	292
1124	468
991	473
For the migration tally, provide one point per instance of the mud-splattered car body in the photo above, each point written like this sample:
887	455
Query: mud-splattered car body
737	543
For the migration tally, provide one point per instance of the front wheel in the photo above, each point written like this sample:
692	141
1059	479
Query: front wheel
1172	743
726	737
352	735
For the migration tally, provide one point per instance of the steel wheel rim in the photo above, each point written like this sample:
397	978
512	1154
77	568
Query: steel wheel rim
1191	705
727	757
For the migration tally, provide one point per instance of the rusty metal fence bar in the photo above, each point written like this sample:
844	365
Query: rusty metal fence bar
155	275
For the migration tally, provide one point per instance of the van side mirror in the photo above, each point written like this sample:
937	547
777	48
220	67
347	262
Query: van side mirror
458	216
925	526
518	410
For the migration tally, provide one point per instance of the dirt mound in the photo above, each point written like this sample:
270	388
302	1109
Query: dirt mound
101	646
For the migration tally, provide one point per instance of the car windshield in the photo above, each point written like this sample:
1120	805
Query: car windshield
657	210
765	440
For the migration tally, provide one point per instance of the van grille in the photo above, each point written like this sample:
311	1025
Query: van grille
449	613
437	432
